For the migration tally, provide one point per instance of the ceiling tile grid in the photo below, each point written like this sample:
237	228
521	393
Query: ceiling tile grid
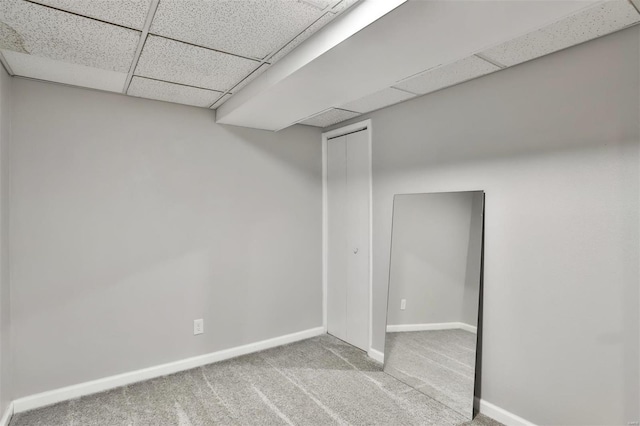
381	99
128	13
45	32
64	72
591	23
248	79
177	62
170	92
447	75
329	117
222	99
95	43
251	29
311	29
343	5
200	52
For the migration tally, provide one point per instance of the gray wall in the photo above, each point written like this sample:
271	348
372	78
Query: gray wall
555	145
131	218
6	97
473	268
429	257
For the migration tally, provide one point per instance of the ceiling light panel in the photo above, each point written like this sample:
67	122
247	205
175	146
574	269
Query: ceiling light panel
177	62
447	75
40	68
329	117
170	92
381	99
129	13
44	32
594	22
248	28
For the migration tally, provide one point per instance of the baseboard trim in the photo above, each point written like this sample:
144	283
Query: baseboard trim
376	355
503	416
100	385
432	326
6	416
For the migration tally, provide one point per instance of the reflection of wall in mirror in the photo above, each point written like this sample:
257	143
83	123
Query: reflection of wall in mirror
435	262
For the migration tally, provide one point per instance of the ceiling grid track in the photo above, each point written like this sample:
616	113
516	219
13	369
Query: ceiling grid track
143	39
6	65
266	59
249	58
179	84
404	90
491	61
80	15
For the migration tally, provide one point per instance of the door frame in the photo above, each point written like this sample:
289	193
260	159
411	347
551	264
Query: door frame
361	125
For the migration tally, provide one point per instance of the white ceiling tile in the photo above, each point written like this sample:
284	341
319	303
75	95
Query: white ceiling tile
49	33
329	117
249	28
594	22
381	99
170	92
447	75
129	13
220	101
324	20
40	68
177	62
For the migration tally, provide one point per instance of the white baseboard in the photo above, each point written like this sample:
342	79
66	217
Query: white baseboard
6	416
468	327
431	326
70	392
503	416
376	355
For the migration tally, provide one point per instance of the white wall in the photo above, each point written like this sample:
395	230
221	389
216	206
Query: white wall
5	318
430	246
131	218
555	145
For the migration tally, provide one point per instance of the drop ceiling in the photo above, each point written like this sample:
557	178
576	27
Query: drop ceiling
270	64
195	52
418	48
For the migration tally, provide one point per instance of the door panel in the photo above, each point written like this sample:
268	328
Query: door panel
348	192
358	238
337	237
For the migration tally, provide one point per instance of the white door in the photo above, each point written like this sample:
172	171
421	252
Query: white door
348	192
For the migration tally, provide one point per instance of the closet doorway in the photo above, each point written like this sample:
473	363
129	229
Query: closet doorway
346	168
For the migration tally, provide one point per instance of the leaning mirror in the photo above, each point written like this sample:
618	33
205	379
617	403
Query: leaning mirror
435	294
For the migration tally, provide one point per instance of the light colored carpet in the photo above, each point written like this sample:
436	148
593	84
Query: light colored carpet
320	381
439	363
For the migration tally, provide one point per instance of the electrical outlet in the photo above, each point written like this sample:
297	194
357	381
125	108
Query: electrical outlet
403	304
198	326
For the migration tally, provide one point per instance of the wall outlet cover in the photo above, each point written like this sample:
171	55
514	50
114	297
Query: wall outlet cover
198	326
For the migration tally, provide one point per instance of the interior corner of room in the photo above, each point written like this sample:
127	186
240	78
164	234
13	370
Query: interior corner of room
319	212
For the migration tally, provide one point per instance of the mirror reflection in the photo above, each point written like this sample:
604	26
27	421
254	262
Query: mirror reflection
434	294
